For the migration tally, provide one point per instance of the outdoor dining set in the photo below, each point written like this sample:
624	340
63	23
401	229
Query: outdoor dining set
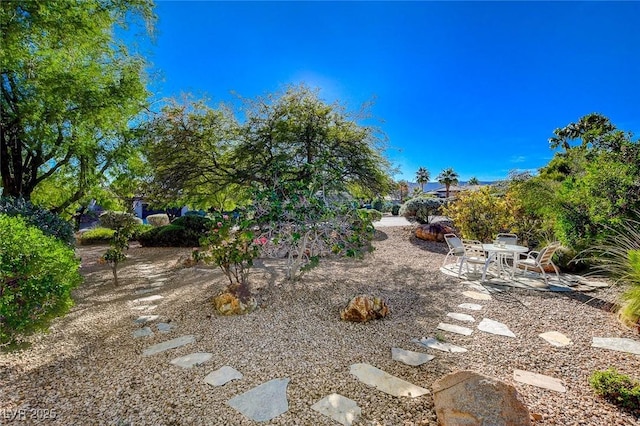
504	255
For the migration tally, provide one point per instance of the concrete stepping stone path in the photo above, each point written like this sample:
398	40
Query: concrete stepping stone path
470	306
556	338
264	402
164	327
143	332
452	328
385	382
143	319
339	408
476	295
222	376
539	380
411	358
190	360
494	327
169	344
144	307
433	343
461	317
617	344
149	299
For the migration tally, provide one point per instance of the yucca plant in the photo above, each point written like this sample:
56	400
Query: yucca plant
618	256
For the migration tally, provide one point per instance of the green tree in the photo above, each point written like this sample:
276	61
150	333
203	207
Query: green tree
473	181
70	91
422	177
448	177
403	189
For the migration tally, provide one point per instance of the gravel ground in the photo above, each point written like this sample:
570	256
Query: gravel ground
89	370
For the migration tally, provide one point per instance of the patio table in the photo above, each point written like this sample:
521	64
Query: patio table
496	250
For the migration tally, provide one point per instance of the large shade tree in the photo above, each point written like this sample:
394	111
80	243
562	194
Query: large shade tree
448	177
70	91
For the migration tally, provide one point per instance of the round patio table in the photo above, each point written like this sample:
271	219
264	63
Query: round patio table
495	251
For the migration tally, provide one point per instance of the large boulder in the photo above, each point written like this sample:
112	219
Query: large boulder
364	308
472	399
433	231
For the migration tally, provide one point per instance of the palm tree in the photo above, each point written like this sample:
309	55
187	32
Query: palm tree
473	181
448	177
422	177
403	186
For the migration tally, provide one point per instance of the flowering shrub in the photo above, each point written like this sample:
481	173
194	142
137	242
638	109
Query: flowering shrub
232	246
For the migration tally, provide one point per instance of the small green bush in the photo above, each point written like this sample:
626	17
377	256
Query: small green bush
118	220
370	214
616	388
170	236
198	224
47	222
378	204
420	208
140	229
37	274
96	236
160	219
395	209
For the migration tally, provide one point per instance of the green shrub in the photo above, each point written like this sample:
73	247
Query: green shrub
47	222
170	236
371	215
160	219
616	388
37	273
96	236
395	209
378	204
140	229
116	220
198	224
420	208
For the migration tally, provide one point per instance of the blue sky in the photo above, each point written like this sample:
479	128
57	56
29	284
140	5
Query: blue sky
476	86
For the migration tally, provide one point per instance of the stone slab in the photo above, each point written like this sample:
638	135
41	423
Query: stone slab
538	380
144	307
410	357
556	338
149	299
452	328
494	327
385	382
433	343
264	402
617	344
145	290
461	317
479	288
143	319
339	408
470	306
169	344
222	376
143	332
190	360
476	295
164	327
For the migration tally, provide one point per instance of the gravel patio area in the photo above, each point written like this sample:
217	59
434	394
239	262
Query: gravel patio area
89	368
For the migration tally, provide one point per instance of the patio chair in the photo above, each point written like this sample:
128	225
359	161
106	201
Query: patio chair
505	238
536	261
474	255
456	248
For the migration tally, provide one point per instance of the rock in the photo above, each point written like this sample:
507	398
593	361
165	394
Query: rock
461	317
556	338
433	231
156	220
341	409
190	360
433	343
538	380
143	319
169	344
470	306
229	304
494	327
222	376
385	382
143	332
410	357
476	295
364	308
617	344
264	402
164	327
453	328
471	399
148	299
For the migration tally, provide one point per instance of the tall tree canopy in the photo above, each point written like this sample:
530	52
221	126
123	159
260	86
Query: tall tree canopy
448	177
422	177
287	137
70	91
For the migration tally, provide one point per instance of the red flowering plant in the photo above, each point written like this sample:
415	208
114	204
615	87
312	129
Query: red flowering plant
232	246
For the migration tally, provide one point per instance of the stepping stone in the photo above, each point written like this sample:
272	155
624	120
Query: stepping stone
433	343
143	332
538	380
341	409
164	327
479	288
470	306
169	344
146	318
556	338
617	344
264	402
494	327
190	360
148	299
144	307
385	382
145	290
476	295
409	357
222	376
461	317
559	288
455	329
